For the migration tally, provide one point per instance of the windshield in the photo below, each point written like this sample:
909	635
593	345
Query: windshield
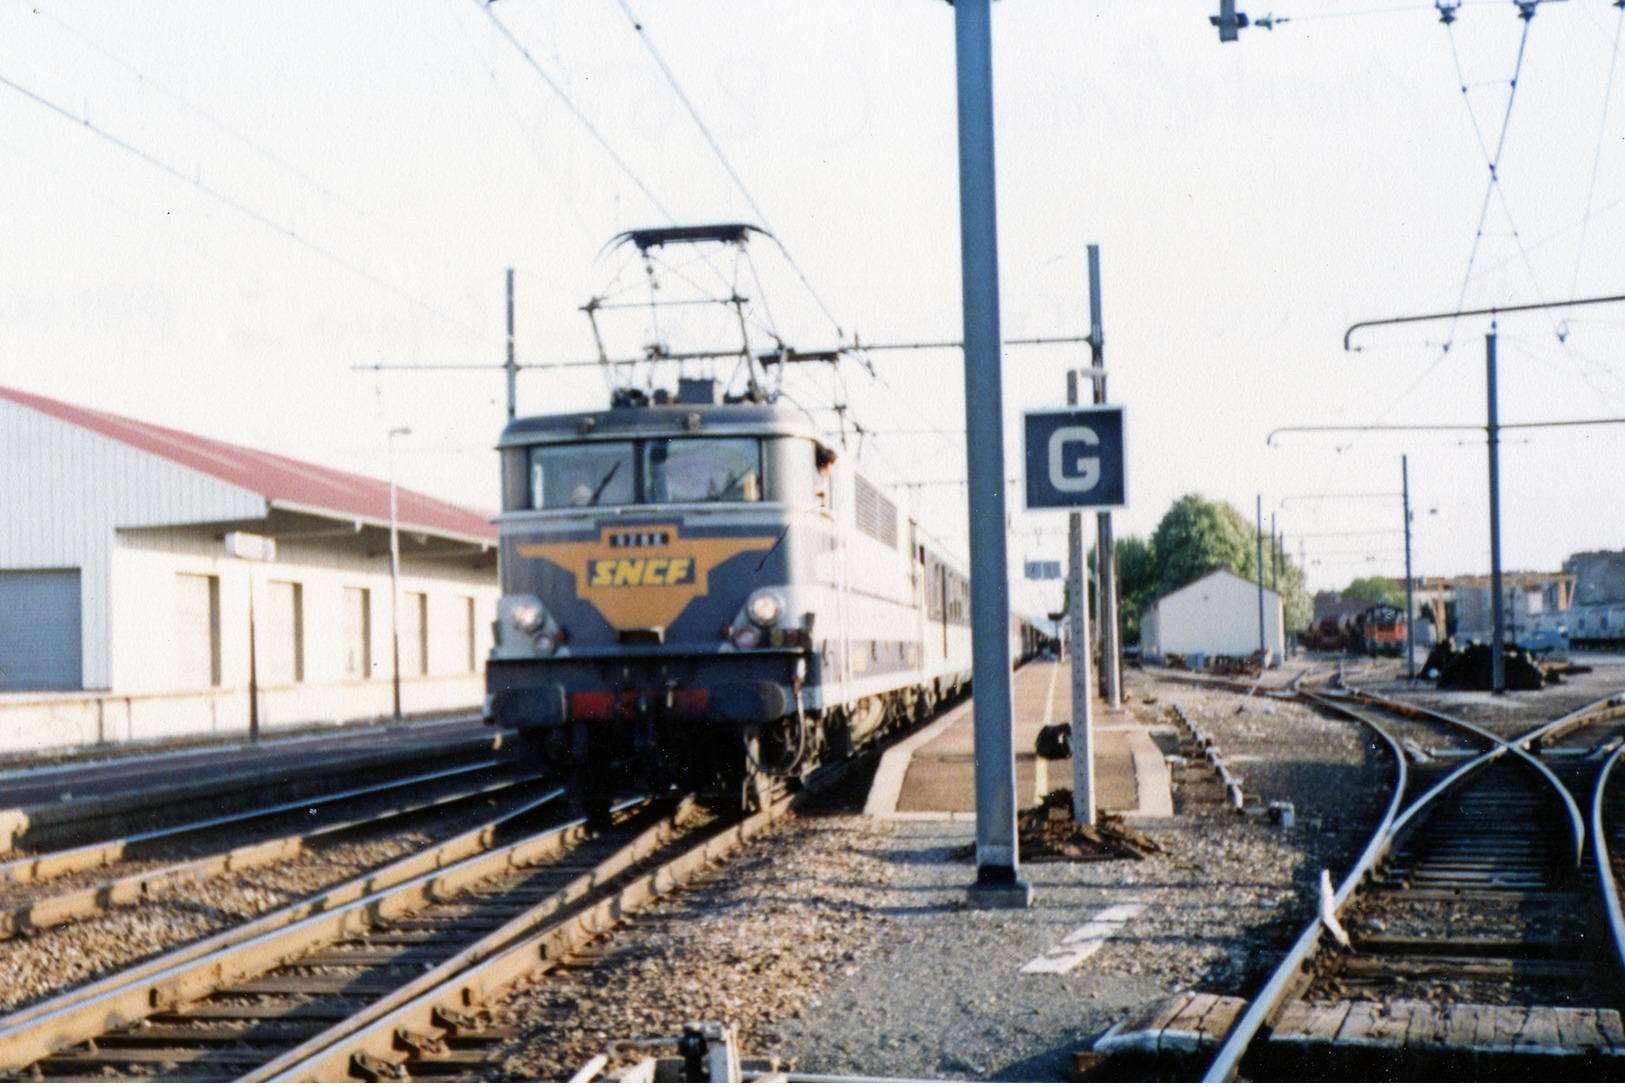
590	474
704	470
654	471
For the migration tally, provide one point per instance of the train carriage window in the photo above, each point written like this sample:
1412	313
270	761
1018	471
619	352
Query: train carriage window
586	474
704	469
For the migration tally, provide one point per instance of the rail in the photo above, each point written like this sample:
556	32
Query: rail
1605	863
372	1040
75	905
38	1030
1518	746
1275	991
1262	1009
63	862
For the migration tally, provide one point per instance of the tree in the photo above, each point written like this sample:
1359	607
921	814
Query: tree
1196	537
1136	577
1376	590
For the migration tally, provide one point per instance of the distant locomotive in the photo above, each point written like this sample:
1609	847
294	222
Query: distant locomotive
704	595
1325	636
1378	630
1381	631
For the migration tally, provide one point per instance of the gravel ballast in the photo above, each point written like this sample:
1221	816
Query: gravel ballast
843	945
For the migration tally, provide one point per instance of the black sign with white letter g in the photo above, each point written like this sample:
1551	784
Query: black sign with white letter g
1074	458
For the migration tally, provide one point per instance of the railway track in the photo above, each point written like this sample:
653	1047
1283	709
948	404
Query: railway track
77	883
1479	934
52	808
381	977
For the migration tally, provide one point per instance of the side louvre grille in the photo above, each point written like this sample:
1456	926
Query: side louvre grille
876	514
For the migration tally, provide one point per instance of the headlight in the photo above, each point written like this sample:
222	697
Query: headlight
546	644
765	608
747	637
524	612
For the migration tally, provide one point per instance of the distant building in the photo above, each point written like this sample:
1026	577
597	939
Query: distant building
1599	577
118	594
1597	618
1213	615
1529	600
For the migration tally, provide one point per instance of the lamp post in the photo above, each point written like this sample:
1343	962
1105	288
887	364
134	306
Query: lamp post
395	573
245	545
1410	581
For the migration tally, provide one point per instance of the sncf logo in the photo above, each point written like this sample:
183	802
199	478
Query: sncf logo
602	573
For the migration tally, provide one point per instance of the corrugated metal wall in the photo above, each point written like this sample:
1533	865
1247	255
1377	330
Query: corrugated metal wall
63	492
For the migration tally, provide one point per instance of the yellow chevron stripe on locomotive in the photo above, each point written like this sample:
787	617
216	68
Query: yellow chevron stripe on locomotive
644	584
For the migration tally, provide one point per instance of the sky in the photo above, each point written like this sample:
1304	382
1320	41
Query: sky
226	217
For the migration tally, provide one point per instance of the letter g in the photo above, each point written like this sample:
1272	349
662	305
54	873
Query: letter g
1068	470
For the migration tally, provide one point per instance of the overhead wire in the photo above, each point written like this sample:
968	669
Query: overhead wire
770	328
1596	158
1561	327
575	111
694	115
247	211
765	322
667	72
1493	158
727	165
322	188
529	133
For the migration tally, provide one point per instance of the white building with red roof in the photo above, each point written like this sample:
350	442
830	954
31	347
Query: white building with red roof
119	594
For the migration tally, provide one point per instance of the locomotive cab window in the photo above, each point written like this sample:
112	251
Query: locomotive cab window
824	476
703	469
588	474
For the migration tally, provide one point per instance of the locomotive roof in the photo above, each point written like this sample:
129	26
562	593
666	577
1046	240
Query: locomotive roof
658	419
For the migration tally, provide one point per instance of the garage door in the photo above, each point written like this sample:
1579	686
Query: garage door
39	630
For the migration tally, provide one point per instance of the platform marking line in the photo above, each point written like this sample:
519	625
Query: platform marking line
1084	942
1040	763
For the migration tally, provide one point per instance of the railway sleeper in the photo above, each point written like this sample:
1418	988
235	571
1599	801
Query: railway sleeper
1475	861
1539	898
1414	1040
313	986
1473	878
453	1062
263	1009
1445	967
271	1030
1491	946
80	1063
378	956
1473	838
1471	871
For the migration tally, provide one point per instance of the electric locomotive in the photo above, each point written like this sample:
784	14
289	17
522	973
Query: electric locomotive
702	594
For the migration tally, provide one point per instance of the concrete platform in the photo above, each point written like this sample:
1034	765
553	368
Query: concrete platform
932	774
